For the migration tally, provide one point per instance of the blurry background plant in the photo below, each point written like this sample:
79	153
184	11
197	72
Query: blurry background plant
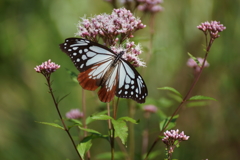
31	32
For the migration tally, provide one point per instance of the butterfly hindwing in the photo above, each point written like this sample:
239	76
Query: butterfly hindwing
131	84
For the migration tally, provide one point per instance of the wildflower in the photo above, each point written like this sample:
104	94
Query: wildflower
150	108
212	27
74	114
47	67
191	63
173	138
151	6
109	27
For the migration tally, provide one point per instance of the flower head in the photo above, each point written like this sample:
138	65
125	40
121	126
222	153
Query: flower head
212	27
191	63
47	67
109	27
151	6
173	136
150	108
74	114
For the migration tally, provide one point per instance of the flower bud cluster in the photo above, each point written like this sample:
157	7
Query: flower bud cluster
212	27
171	137
174	135
47	67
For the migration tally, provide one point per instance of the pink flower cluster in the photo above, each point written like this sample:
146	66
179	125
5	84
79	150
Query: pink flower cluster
47	67
118	26
174	135
150	5
131	53
74	114
212	27
171	137
191	63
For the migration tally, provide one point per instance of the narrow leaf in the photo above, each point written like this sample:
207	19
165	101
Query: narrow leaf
129	120
52	124
101	117
89	130
171	89
199	97
195	59
171	124
76	121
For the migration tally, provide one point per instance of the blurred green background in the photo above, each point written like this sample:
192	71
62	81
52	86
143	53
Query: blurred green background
30	33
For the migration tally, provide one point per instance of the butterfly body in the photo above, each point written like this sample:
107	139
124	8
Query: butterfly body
101	67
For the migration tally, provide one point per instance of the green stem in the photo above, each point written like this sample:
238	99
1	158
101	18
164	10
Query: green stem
185	98
84	119
111	132
131	131
63	123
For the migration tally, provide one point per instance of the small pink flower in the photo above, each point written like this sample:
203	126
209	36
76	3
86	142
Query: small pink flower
109	27
74	114
150	108
191	63
47	67
213	28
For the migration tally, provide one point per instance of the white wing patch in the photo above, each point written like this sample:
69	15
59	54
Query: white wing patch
99	72
98	59
130	84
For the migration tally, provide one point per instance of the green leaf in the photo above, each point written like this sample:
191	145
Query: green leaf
176	143
89	130
196	103
90	119
195	59
101	117
52	124
199	97
75	121
73	75
129	120
171	89
84	146
121	130
170	125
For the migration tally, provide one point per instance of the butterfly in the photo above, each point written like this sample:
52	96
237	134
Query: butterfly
99	66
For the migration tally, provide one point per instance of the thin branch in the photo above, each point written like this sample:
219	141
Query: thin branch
57	108
185	98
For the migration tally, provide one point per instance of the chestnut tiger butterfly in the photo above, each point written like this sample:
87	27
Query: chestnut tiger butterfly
99	66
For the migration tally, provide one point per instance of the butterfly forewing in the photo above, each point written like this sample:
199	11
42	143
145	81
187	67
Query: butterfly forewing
101	67
85	54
